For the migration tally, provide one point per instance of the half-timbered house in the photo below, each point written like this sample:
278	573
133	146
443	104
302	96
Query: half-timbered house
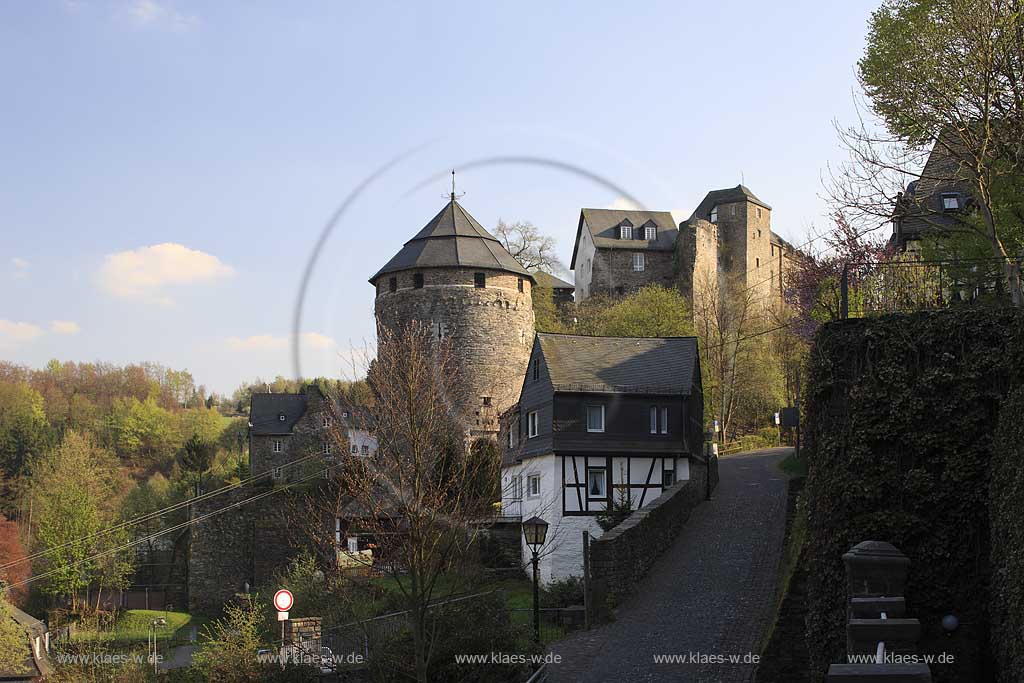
601	422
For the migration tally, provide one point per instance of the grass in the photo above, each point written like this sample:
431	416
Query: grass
133	625
794	466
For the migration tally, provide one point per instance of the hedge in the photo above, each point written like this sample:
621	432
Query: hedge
900	413
1006	513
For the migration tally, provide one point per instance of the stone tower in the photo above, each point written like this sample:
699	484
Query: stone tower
458	278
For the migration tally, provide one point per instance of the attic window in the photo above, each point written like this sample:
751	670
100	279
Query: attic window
714	214
479	280
625	231
950	201
650	232
417	280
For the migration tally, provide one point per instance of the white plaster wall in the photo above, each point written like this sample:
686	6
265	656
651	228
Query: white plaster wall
584	263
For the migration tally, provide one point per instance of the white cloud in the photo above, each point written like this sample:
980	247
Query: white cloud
623	204
145	273
64	327
268	342
14	334
150	13
20	268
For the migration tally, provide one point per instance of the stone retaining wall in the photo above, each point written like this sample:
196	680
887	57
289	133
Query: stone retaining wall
621	557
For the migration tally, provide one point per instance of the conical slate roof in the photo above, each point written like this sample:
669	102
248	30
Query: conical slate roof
453	239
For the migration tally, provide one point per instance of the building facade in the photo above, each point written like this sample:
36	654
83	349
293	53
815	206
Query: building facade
726	243
601	422
458	279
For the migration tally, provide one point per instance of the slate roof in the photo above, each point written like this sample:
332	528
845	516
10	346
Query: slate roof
548	280
29	668
921	209
452	239
740	193
604	229
633	365
265	411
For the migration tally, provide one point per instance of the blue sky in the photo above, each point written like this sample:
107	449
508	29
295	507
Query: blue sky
167	165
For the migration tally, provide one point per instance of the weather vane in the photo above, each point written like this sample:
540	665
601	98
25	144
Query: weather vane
453	195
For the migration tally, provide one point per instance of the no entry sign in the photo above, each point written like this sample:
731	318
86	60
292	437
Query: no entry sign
283	600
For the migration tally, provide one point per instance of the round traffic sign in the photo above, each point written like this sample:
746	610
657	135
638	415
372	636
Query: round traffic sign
283	600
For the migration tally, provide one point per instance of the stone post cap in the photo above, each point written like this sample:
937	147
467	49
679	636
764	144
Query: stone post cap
875	552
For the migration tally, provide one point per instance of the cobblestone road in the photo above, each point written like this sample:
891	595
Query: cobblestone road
710	594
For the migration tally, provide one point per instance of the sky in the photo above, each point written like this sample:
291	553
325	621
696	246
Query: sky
169	167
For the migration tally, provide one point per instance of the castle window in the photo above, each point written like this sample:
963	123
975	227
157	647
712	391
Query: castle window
366	449
531	424
773	250
950	201
759	214
479	280
714	214
625	232
326	448
392	284
757	263
325	421
487	400
638	263
277	446
520	284
650	232
417	280
759	231
355	449
277	473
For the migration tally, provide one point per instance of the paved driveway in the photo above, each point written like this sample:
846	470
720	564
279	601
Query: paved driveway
709	596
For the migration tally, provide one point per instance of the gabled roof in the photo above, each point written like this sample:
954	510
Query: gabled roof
604	223
628	365
452	239
548	280
266	412
740	193
921	206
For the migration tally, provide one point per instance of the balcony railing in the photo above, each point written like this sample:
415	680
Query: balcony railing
911	285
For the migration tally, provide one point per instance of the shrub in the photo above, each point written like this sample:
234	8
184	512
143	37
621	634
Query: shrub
563	593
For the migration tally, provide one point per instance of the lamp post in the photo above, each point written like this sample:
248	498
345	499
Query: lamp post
709	448
535	530
154	625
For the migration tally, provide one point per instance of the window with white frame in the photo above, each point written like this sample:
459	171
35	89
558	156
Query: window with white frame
533	486
595	418
597	483
325	421
278	446
326	448
625	232
659	420
511	437
337	530
714	214
531	424
650	232
664	420
366	449
517	488
638	262
668	477
950	201
277	473
355	449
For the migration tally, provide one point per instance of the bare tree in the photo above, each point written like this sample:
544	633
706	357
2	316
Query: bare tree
944	78
533	250
425	492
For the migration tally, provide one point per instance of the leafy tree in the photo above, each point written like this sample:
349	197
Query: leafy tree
547	315
230	653
142	431
24	433
14	643
942	76
652	311
77	490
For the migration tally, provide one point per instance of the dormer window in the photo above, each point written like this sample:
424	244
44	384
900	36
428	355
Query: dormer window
650	233
714	214
625	231
950	201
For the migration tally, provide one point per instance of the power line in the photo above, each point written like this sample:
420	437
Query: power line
163	532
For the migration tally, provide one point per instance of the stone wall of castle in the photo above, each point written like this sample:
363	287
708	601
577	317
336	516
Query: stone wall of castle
612	271
696	258
491	330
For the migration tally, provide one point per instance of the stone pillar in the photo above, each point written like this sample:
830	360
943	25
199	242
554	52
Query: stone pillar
875	568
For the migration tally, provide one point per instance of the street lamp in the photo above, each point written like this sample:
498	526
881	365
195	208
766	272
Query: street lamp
535	530
154	625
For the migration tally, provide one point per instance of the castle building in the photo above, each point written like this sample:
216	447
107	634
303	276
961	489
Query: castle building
728	238
457	278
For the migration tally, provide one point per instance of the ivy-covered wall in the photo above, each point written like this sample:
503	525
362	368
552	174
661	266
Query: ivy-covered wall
1007	516
900	416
